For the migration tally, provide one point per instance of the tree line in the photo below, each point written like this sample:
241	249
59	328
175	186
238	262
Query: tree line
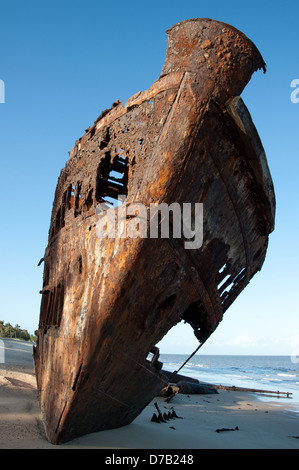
9	331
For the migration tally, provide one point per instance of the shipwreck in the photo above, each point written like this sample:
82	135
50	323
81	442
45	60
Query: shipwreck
107	302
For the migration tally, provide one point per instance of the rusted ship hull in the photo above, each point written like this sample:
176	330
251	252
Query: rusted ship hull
106	302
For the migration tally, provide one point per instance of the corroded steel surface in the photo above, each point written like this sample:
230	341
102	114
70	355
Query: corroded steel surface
107	302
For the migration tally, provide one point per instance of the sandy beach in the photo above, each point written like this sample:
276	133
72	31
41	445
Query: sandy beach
255	424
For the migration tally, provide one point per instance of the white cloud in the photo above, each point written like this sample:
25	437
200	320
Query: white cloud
243	340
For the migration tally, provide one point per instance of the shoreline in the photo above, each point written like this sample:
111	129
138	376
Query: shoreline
261	424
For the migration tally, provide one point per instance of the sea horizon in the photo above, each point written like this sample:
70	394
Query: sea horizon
265	372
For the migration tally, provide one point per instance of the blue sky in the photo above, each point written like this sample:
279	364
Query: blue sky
62	64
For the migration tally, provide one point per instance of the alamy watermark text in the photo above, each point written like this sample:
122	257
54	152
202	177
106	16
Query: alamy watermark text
295	92
2	352
2	92
136	220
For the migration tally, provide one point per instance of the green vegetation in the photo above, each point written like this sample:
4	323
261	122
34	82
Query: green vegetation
9	331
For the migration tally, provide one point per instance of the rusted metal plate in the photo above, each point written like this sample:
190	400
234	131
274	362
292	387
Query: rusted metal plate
106	302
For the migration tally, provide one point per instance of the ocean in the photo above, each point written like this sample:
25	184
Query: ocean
259	372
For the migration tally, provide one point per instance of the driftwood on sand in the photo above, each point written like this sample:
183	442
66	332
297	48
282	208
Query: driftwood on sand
254	390
191	386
